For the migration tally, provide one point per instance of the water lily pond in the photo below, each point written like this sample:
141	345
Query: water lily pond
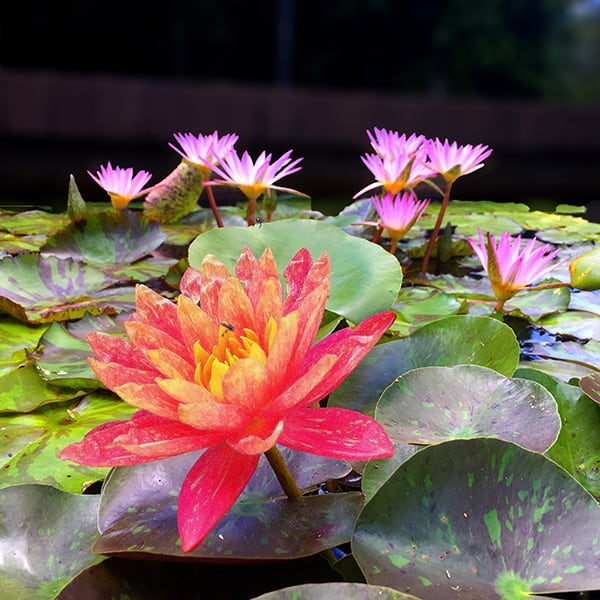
260	400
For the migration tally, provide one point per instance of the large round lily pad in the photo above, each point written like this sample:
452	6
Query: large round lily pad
365	279
480	519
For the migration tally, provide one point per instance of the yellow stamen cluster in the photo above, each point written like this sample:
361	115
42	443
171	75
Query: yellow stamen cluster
211	367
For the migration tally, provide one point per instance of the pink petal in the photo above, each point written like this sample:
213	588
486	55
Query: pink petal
113	375
349	346
213	275
190	284
146	337
336	433
149	397
99	448
158	311
113	348
209	490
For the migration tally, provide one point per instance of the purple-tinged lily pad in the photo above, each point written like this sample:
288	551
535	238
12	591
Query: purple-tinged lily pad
586	355
590	384
139	504
108	239
327	591
577	448
482	519
64	350
30	443
450	341
581	324
435	404
47	537
39	290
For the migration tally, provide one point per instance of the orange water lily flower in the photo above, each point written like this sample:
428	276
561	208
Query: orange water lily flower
231	367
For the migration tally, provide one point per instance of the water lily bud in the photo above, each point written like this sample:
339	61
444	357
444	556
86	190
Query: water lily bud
585	270
176	195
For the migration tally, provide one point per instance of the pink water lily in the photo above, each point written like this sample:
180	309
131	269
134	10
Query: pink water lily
452	160
388	144
397	214
255	178
511	267
201	149
235	375
121	184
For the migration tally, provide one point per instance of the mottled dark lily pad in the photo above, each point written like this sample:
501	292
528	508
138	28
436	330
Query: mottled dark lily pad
47	537
577	448
450	341
434	404
327	591
484	519
138	512
590	384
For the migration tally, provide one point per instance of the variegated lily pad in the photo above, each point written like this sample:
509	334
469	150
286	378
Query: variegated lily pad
30	443
481	519
47	537
39	290
138	512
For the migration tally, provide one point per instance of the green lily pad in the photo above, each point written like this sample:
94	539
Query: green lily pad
326	591
417	306
138	512
30	443
365	279
17	341
585	301
458	339
34	222
39	290
23	390
483	518
47	537
62	359
577	448
585	270
435	404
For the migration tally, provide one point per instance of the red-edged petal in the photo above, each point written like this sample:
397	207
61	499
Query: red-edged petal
336	433
213	275
209	490
170	364
261	438
269	305
282	354
303	387
113	348
149	397
349	346
158	311
113	375
99	449
196	325
295	273
235	307
146	337
317	276
191	284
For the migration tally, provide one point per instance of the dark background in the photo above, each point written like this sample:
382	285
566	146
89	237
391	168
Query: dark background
510	58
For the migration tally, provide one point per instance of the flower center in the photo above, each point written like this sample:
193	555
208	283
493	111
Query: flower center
211	367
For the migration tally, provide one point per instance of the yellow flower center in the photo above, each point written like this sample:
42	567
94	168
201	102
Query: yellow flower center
211	367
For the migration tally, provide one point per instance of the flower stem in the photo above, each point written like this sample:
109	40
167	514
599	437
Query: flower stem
436	228
251	210
213	205
283	474
290	487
